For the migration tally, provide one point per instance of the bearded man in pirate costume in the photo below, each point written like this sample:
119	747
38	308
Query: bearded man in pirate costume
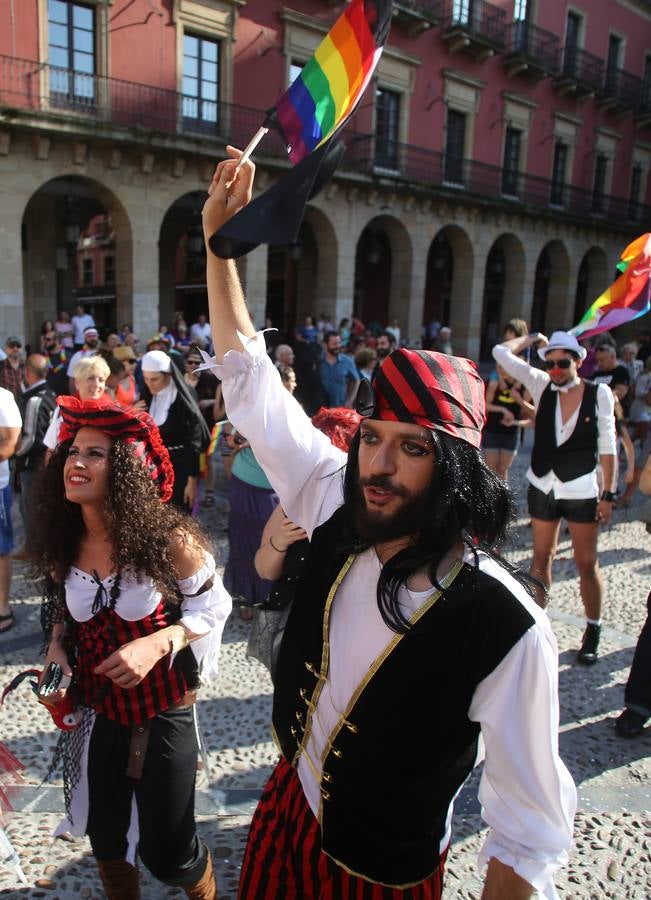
406	639
133	613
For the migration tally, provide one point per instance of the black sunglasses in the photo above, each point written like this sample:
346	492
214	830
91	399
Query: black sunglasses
14	345
564	363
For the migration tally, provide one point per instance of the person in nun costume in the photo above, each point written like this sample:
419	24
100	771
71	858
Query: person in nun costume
183	428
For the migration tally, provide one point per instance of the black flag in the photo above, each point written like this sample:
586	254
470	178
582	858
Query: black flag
275	216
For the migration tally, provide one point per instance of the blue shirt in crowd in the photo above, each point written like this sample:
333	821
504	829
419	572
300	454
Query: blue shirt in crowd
335	378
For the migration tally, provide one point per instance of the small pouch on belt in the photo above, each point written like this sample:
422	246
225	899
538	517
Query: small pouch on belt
138	749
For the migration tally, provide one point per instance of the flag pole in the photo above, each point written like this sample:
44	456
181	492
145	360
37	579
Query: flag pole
250	147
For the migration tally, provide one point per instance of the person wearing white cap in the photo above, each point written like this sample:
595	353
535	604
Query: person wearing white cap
574	431
182	426
90	347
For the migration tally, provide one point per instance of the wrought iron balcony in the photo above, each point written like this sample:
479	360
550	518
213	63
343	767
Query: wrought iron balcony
643	111
622	90
417	15
473	26
531	51
581	73
479	182
59	99
52	94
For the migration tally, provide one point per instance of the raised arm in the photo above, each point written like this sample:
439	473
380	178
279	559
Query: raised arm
229	192
300	462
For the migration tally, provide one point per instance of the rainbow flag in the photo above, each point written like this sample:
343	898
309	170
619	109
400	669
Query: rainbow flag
217	431
625	300
331	84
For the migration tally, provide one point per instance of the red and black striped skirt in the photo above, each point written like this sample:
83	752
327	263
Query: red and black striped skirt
283	856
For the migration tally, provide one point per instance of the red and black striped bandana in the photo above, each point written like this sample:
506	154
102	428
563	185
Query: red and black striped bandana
441	392
134	427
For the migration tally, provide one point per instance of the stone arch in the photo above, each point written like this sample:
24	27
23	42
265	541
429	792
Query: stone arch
550	309
503	285
592	280
301	277
182	260
448	282
56	238
383	264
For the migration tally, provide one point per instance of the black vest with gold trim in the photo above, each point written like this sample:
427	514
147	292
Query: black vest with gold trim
578	455
404	746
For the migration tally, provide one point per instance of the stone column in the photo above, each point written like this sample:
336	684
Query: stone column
409	310
340	306
12	318
253	272
137	260
468	295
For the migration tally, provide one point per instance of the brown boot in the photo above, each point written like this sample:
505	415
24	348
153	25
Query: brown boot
206	887
120	879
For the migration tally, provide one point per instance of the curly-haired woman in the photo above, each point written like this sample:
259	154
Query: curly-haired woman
130	583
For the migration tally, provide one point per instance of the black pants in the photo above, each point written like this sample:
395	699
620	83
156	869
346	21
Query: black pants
168	845
638	687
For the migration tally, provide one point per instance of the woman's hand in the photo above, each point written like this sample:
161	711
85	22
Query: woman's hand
508	418
140	404
229	192
190	492
287	534
128	665
55	654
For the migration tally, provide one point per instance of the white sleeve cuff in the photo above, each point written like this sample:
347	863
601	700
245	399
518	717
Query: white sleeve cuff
235	362
539	873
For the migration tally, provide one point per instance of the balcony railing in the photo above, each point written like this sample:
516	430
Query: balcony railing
432	168
622	88
539	47
477	19
62	93
103	103
584	69
427	10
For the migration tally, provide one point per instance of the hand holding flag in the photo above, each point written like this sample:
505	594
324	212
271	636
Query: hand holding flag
230	191
308	116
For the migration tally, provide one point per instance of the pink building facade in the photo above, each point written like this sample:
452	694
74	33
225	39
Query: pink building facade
496	166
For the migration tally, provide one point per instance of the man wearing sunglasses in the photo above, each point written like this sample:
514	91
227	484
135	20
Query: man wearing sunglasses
403	625
574	431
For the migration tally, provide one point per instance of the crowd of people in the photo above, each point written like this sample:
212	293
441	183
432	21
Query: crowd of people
369	506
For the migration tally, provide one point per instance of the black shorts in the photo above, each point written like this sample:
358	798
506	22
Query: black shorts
549	509
501	440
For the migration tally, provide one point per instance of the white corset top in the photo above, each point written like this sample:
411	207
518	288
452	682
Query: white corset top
137	598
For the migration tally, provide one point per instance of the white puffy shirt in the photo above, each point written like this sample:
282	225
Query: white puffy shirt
528	796
204	614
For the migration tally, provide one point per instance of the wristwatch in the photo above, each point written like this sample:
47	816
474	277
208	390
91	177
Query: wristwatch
608	496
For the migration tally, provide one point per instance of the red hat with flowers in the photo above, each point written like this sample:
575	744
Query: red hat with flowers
132	426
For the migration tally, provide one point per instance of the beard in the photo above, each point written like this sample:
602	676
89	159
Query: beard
373	527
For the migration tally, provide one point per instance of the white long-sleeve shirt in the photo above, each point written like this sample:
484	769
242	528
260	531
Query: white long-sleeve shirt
527	794
535	381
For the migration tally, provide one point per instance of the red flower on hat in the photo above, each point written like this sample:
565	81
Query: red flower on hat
134	427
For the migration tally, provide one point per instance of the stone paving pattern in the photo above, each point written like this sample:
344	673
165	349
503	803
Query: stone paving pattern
611	857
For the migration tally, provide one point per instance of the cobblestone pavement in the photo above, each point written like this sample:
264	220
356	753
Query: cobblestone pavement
611	857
